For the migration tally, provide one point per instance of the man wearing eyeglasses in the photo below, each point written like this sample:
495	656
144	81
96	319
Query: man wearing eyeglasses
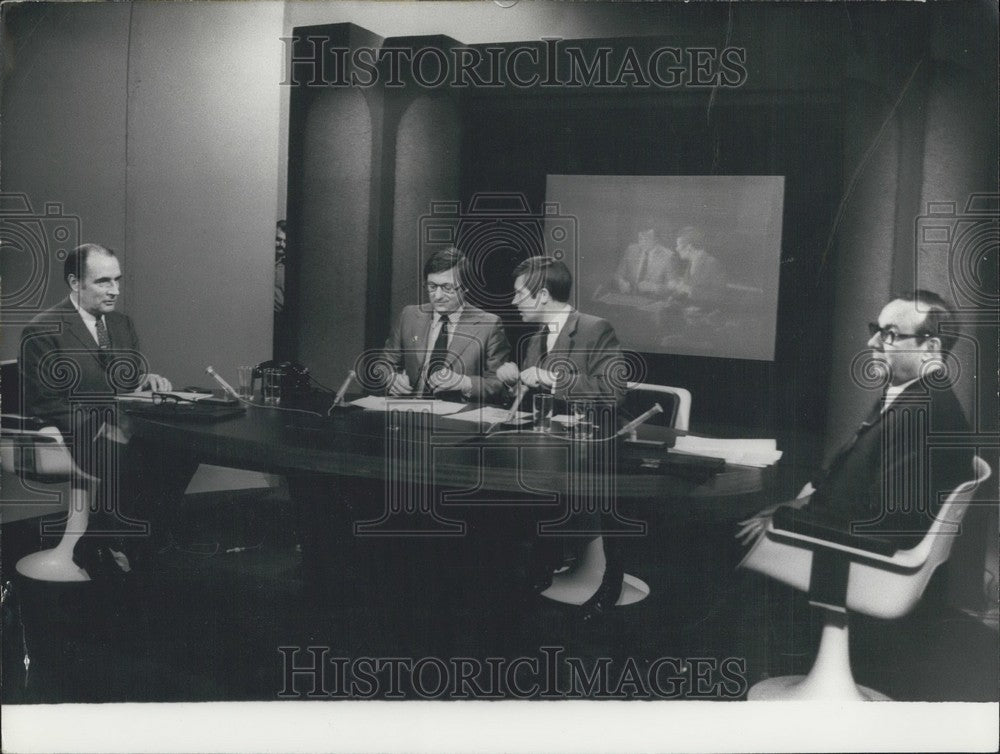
887	480
448	348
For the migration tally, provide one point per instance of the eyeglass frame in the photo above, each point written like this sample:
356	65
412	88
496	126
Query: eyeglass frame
171	399
889	336
447	289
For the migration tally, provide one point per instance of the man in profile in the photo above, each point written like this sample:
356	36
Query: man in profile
698	276
448	348
574	357
887	480
75	358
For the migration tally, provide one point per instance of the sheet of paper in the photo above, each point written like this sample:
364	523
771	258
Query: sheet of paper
147	395
746	452
382	403
492	415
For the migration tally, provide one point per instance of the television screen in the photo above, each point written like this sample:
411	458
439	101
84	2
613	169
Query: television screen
679	264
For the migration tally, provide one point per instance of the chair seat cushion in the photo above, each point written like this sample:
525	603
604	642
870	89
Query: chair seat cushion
822	525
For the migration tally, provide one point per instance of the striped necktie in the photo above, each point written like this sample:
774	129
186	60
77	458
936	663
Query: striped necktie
103	339
439	354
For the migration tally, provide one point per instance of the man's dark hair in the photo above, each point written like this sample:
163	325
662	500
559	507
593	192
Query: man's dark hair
443	260
76	259
937	313
548	273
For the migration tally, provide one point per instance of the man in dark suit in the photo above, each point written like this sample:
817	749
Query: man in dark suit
574	356
450	346
888	480
75	358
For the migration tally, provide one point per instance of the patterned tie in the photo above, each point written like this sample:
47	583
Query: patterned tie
439	355
103	339
643	266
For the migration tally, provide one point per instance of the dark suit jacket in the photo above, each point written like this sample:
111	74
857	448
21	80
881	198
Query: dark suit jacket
62	366
478	347
587	352
892	478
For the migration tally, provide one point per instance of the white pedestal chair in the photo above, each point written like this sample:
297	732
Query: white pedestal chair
579	583
880	581
38	454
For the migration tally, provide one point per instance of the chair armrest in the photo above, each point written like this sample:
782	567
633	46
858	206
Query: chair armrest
17	425
820	530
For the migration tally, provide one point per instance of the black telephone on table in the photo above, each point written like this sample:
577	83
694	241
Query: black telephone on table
294	376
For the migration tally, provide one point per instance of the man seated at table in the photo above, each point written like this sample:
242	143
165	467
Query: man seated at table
875	483
448	346
85	339
647	266
573	356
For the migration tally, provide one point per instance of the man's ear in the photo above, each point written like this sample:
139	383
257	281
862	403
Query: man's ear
74	282
543	296
933	344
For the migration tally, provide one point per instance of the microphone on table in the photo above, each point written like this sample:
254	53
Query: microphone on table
225	385
522	390
339	399
630	428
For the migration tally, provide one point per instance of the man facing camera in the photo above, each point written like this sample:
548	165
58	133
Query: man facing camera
647	266
84	337
449	346
888	480
573	356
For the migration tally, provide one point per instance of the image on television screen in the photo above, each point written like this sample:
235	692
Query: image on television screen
682	265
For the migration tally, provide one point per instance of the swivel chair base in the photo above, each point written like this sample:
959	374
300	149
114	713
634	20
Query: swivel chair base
794	687
830	678
57	564
580	584
51	565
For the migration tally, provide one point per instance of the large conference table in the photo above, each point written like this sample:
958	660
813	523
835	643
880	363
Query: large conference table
432	465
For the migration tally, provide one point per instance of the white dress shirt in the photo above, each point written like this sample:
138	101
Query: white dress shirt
89	320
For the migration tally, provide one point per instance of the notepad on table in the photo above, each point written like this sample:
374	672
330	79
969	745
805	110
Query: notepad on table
745	452
383	403
493	415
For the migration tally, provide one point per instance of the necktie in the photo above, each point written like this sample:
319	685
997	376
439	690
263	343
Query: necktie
103	339
643	266
544	351
847	447
439	354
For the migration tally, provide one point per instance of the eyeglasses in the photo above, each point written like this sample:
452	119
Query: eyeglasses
889	336
171	399
446	288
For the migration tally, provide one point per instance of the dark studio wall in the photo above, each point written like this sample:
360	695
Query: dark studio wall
868	112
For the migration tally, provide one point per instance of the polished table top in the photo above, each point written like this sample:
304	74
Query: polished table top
441	450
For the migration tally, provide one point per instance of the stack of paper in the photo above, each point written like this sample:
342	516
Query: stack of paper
381	403
147	395
492	415
758	453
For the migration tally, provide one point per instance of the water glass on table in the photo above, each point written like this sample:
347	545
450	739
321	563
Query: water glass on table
582	415
245	382
542	412
271	387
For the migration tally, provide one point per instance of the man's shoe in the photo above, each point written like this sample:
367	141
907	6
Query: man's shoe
101	562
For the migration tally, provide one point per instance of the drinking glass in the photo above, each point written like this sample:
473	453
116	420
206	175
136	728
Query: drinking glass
271	387
246	382
542	412
582	413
